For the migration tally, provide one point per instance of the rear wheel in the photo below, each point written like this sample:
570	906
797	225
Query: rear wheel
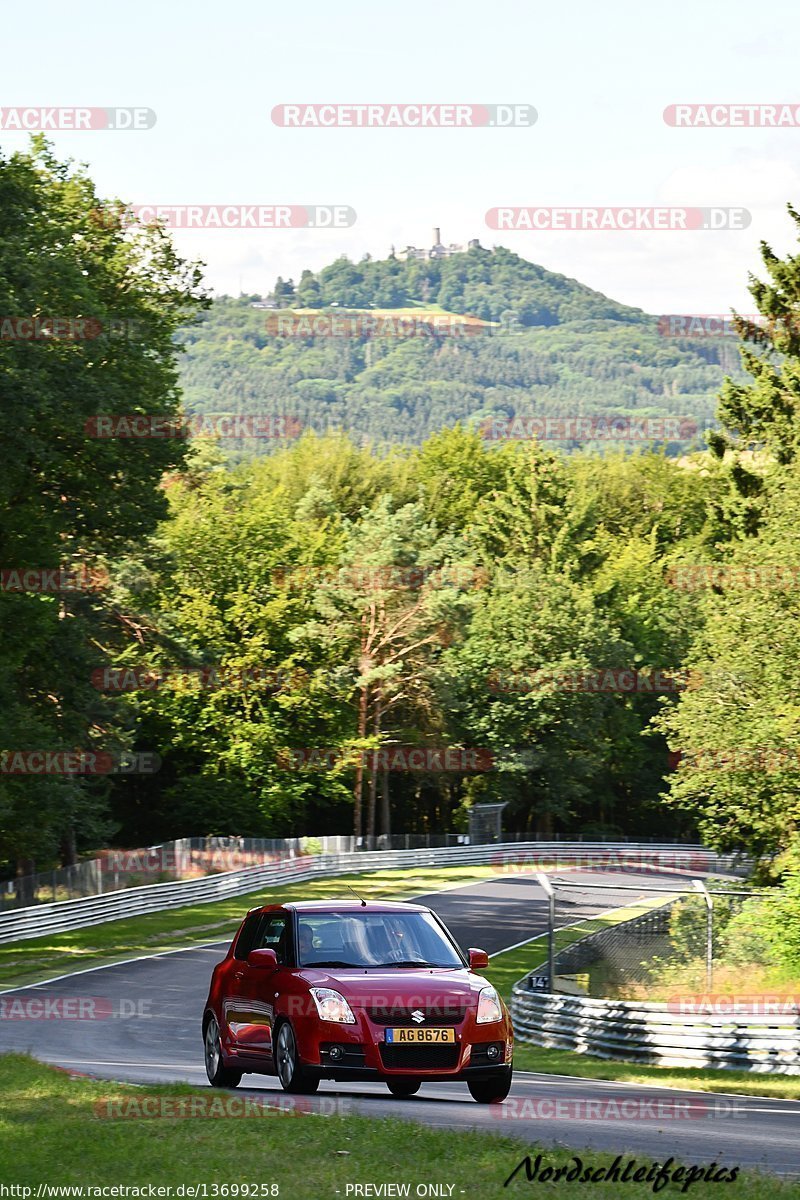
403	1087
218	1074
287	1061
492	1090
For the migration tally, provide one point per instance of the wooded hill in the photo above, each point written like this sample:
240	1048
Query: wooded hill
550	347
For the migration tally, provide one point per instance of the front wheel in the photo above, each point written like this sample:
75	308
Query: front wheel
492	1090
402	1088
287	1061
218	1074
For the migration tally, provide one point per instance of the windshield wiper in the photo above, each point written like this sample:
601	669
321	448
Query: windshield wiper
330	962
410	962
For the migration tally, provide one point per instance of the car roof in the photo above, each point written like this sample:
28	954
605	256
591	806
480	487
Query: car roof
342	906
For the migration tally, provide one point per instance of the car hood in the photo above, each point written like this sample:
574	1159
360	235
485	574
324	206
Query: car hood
430	987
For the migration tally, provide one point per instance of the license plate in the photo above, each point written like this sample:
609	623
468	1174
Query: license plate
397	1036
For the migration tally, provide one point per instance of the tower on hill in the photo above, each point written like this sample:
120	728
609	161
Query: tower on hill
437	250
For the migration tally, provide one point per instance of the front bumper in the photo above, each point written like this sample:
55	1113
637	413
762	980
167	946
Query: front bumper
360	1051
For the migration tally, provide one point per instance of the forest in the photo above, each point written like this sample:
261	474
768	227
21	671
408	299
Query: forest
383	621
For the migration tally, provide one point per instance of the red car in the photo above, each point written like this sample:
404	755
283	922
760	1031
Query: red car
349	990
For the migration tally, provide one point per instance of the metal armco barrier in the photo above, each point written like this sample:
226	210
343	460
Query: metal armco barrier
42	919
649	1032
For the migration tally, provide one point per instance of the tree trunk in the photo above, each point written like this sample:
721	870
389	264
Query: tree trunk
386	816
363	701
373	776
69	852
24	883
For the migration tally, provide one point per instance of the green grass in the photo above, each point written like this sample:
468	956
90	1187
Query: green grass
31	961
54	1130
510	965
567	1062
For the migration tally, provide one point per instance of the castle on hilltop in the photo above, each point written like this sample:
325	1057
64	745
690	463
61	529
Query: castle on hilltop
437	250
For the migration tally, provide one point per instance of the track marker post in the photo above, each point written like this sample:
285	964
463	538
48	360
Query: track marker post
541	878
704	892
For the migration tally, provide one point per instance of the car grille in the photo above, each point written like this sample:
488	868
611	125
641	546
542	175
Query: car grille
420	1057
450	1014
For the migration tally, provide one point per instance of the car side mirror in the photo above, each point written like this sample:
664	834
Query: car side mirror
478	959
265	960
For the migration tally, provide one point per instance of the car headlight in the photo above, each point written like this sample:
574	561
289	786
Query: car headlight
489	1006
332	1006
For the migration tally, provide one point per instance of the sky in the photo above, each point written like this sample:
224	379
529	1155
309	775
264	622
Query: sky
598	75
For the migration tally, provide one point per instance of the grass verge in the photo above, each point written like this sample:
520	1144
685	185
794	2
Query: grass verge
54	1130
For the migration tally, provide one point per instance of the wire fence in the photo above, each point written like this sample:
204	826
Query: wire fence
116	870
672	938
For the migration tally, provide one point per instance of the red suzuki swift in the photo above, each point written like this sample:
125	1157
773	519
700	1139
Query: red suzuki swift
345	990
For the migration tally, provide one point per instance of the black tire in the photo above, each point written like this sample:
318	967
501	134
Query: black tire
491	1090
403	1088
287	1063
218	1074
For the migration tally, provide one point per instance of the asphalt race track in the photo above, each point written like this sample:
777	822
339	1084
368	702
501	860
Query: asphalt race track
148	1031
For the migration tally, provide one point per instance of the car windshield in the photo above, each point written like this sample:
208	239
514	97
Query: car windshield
373	939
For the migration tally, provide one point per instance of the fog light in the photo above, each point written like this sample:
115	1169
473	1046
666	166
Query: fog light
335	1053
493	1052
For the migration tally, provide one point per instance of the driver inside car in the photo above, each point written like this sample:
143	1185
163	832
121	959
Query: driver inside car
305	941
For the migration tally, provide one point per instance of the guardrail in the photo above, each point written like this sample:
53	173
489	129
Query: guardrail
24	923
649	1032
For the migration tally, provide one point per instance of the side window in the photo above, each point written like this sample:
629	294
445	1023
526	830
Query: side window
247	936
274	935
